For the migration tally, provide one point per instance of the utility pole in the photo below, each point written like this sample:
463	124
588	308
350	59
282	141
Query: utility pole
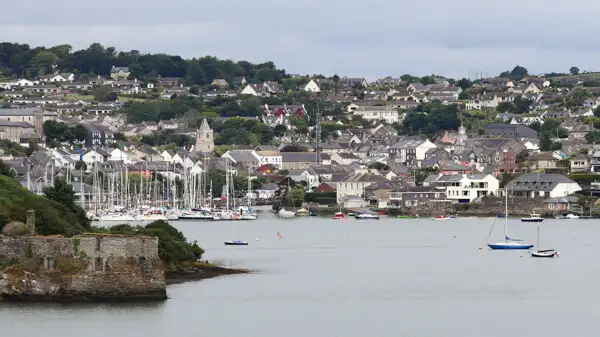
318	134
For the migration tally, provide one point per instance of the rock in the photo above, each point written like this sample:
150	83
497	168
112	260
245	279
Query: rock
15	228
26	285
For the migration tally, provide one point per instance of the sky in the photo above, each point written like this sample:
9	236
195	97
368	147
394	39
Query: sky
353	38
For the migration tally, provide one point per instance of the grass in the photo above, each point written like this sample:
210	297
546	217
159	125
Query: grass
89	98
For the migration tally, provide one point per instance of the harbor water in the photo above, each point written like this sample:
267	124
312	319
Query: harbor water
373	278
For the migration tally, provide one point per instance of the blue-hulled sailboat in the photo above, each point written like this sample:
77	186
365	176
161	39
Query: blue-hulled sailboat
509	242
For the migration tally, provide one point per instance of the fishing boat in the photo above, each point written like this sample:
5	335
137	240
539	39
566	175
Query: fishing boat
367	216
508	243
533	217
542	252
236	243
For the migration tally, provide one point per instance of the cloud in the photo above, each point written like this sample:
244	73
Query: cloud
353	38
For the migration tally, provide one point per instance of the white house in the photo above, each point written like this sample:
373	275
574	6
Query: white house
166	156
542	185
355	184
311	179
466	188
92	156
120	155
250	90
268	157
377	113
312	87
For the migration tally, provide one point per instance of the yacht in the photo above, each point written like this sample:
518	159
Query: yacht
196	215
116	217
367	216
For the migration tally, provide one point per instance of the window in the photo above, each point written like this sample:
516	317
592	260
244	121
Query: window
98	264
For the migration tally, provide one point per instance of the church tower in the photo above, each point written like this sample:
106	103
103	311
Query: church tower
204	138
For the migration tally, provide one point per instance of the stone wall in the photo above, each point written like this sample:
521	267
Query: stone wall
85	267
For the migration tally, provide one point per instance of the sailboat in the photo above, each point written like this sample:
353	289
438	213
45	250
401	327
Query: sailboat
509	243
542	252
235	242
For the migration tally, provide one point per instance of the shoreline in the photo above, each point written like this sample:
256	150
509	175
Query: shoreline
200	271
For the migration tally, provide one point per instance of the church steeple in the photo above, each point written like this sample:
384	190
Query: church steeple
204	138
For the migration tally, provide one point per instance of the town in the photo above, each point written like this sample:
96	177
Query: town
130	130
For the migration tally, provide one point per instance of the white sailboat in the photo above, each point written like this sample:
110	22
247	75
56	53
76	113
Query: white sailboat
508	243
542	252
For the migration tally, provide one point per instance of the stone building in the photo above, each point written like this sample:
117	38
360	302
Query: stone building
204	138
87	266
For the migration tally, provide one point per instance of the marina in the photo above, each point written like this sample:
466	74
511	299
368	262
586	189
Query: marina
399	268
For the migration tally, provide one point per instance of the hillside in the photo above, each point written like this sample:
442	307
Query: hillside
50	216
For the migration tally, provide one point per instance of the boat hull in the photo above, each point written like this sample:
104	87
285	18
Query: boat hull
543	254
532	219
366	218
235	243
501	246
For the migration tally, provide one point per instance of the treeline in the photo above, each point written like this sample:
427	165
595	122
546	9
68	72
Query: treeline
22	60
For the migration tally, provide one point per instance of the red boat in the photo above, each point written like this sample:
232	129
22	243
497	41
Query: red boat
338	216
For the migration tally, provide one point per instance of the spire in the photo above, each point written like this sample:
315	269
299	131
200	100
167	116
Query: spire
204	126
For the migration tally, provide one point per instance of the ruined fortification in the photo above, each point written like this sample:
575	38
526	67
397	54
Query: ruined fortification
84	267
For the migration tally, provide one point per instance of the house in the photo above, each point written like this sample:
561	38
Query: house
325	188
464	188
312	87
243	158
168	125
517	131
542	185
306	175
220	83
410	150
269	157
119	73
34	116
267	191
168	82
543	160
579	163
120	155
411	196
295	160
355	184
375	113
95	156
491	100
378	192
344	158
98	135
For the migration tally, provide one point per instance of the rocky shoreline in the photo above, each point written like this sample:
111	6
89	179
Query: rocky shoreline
199	272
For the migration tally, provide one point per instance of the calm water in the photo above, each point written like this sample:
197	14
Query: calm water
326	278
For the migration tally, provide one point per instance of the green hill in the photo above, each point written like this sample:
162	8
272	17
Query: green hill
50	216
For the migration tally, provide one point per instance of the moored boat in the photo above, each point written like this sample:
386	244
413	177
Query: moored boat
533	217
236	243
367	216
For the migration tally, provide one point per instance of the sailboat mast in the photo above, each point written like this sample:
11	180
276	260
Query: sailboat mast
506	213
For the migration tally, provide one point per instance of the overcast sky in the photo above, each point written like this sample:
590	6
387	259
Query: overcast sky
352	37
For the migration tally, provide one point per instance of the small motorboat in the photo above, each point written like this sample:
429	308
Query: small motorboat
367	216
236	243
338	216
443	217
312	213
533	217
351	214
416	216
302	212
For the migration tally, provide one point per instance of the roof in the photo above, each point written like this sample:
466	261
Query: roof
538	182
242	156
298	157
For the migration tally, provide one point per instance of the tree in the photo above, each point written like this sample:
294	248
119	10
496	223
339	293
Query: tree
80	165
464	96
522	156
104	94
574	70
63	193
518	73
279	130
293	148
